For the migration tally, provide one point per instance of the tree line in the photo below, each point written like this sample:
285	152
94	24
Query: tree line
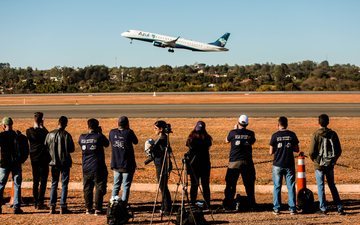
301	76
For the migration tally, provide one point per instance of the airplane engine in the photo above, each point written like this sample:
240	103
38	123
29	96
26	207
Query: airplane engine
159	44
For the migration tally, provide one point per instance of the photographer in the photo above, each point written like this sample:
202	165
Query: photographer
162	129
122	157
94	168
198	161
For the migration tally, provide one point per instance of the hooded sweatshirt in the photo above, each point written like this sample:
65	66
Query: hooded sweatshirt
316	143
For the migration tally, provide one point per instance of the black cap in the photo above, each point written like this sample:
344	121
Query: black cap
200	126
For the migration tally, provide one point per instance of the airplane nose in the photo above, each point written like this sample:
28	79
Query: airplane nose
124	34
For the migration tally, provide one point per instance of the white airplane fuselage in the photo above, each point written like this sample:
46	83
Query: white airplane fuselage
164	41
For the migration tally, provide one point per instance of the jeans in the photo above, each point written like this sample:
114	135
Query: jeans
40	172
99	181
16	173
55	176
248	175
125	179
320	175
277	175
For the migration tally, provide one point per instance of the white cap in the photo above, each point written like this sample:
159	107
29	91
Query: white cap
243	120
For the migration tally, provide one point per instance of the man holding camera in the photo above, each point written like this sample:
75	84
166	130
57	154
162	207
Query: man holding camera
94	168
122	157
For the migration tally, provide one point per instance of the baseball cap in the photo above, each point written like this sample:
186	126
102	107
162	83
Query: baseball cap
243	120
200	126
123	121
7	121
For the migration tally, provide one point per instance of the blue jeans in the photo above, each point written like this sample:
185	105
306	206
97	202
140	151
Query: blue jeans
125	179
55	176
320	175
16	173
277	175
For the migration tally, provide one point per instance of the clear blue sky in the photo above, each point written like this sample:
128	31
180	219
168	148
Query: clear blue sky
76	33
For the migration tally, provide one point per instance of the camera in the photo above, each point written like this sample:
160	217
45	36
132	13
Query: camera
167	128
148	151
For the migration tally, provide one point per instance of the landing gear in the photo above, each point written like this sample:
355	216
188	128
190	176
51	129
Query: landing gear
171	50
130	41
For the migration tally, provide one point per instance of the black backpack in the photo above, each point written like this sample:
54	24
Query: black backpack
21	148
117	213
192	215
305	200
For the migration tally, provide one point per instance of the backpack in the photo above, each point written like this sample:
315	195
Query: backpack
327	152
192	215
21	148
117	213
305	200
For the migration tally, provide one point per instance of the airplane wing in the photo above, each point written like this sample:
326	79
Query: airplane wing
171	43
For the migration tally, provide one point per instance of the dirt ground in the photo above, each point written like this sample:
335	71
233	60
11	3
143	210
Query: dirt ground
142	205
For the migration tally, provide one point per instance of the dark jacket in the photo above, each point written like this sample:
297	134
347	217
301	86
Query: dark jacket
38	151
60	144
198	156
123	156
316	143
93	157
14	148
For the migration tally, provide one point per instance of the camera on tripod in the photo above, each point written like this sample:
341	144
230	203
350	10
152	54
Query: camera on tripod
167	128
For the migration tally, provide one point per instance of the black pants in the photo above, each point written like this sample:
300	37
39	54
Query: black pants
99	181
247	171
163	185
40	173
198	175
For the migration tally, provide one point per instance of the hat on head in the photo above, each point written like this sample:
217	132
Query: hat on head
243	120
123	121
200	126
7	121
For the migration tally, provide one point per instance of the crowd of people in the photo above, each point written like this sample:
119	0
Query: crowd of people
51	152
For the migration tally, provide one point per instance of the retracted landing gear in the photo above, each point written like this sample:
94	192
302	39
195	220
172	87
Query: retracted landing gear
171	50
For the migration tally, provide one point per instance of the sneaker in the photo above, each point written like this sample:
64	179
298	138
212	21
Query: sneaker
65	211
276	212
293	212
42	206
52	210
164	213
98	212
18	211
90	211
341	212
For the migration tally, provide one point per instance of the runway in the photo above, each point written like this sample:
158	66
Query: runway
184	110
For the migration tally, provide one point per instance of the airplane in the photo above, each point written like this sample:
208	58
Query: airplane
163	41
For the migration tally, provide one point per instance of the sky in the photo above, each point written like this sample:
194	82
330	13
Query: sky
43	34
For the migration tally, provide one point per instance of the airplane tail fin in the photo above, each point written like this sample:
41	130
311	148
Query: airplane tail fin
221	42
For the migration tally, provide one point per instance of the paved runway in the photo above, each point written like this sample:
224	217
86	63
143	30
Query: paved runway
184	110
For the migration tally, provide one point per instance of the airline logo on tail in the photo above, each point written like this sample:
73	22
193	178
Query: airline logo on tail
163	41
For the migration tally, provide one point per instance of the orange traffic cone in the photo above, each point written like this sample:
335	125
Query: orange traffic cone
301	176
305	197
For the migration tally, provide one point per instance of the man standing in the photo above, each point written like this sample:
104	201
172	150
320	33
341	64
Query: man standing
322	169
282	144
122	157
60	144
240	162
94	167
40	159
14	150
